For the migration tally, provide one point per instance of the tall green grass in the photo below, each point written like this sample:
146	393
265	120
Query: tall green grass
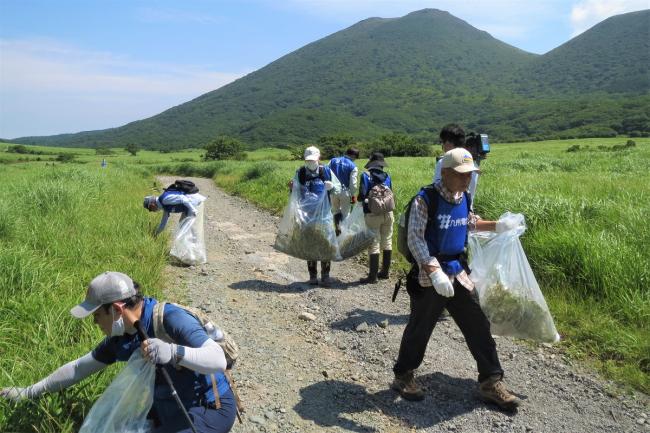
59	227
587	237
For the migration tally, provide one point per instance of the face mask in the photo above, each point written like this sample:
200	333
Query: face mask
312	165
118	327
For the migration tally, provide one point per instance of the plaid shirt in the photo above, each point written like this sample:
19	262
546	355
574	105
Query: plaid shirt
418	245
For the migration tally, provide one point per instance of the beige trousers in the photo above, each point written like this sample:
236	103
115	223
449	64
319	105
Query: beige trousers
341	203
383	227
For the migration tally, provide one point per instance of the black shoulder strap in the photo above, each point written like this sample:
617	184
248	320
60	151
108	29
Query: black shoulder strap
302	175
321	172
432	205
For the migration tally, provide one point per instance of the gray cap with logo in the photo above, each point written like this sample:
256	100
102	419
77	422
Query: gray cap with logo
105	288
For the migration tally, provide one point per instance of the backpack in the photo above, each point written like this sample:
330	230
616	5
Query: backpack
184	186
302	174
230	348
380	199
402	225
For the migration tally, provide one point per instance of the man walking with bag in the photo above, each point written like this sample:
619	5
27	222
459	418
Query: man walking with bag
439	279
346	172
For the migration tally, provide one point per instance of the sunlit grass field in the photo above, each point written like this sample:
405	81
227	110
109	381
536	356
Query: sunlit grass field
60	225
63	223
587	237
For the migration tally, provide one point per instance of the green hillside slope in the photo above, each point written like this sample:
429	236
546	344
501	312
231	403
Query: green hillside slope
409	74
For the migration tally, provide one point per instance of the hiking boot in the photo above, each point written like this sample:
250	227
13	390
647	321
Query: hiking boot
313	272
494	390
372	272
385	265
407	387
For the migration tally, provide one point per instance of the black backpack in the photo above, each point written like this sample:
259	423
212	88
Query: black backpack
184	186
302	174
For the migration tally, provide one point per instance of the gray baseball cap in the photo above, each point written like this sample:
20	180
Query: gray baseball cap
103	289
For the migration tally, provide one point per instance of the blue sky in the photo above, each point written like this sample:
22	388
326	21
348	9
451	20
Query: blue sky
69	66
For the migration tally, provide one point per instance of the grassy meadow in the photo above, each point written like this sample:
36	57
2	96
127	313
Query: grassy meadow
587	233
63	223
60	225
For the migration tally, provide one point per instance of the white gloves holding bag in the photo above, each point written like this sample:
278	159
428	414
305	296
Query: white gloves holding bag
442	284
509	221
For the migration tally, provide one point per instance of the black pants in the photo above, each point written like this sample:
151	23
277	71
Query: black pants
464	308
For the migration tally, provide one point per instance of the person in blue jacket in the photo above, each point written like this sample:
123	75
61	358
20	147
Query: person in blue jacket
382	224
173	201
314	179
347	173
116	303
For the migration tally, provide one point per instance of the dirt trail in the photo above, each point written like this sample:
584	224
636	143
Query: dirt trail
333	374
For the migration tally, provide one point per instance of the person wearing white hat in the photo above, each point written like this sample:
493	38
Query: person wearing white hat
316	178
439	219
116	303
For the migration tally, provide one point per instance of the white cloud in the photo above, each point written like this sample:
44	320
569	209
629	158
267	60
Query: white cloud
587	13
49	74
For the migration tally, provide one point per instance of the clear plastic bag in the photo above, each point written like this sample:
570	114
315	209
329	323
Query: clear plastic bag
508	291
124	406
355	236
188	246
306	230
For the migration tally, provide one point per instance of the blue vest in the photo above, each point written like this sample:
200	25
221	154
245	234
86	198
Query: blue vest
446	232
313	184
172	208
342	167
192	387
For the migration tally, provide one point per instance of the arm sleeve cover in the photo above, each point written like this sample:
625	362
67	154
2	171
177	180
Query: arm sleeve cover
207	359
67	375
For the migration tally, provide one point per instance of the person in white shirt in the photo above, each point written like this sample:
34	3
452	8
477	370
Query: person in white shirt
452	136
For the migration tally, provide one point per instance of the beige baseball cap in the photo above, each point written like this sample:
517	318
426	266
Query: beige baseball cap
105	288
312	154
460	160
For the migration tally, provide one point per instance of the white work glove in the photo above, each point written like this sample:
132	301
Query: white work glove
442	284
506	224
329	184
15	394
157	351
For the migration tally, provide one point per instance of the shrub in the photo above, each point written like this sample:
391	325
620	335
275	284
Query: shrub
574	148
65	157
224	148
104	151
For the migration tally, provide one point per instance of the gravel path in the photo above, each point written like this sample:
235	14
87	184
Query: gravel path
332	374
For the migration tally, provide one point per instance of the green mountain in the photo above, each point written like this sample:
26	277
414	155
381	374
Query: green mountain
413	74
614	56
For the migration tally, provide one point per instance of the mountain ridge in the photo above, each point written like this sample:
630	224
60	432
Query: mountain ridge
408	74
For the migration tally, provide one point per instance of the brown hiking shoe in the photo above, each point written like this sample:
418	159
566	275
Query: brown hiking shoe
407	387
494	390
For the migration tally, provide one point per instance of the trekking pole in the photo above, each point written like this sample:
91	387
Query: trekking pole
168	379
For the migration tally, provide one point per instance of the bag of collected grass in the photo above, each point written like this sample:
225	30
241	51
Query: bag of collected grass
306	230
124	406
355	236
508	291
188	246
